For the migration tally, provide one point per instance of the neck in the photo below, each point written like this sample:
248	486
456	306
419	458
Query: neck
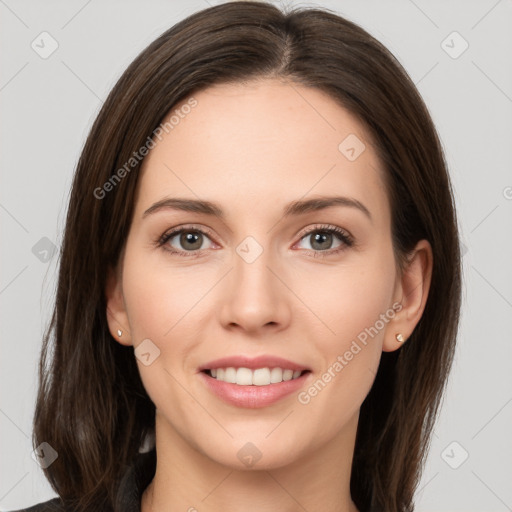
188	480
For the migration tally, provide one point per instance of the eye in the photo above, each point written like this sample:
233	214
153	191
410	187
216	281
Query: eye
322	237
190	241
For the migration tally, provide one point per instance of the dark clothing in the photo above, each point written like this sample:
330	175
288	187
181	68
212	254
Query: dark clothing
132	485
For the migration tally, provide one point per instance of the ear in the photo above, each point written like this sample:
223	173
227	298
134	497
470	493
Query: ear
117	317
411	291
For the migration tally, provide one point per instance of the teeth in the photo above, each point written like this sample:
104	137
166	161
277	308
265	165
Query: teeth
258	377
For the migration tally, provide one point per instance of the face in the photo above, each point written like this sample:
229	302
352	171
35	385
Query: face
315	286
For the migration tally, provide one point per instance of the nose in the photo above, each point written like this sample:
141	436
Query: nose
255	298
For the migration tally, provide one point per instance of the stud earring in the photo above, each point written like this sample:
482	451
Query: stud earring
119	332
399	338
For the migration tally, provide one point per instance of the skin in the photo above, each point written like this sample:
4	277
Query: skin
252	149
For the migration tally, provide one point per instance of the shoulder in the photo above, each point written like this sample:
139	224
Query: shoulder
129	494
53	505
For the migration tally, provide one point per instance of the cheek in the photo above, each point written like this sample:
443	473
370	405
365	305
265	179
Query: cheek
159	296
357	310
349	298
350	363
162	302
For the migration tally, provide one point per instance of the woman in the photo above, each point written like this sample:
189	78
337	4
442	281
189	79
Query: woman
273	372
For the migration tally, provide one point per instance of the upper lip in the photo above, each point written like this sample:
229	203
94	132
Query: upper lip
264	361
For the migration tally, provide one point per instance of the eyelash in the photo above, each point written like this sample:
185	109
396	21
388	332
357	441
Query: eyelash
347	240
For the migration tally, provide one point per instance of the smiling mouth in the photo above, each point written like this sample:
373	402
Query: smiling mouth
259	377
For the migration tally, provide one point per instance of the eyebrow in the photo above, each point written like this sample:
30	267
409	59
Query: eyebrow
294	208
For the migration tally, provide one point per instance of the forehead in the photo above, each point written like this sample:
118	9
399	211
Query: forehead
263	142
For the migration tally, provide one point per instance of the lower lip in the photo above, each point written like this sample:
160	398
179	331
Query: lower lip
253	396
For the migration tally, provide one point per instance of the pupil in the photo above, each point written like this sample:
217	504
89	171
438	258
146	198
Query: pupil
189	238
321	237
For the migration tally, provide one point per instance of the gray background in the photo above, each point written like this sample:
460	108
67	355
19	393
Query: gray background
48	106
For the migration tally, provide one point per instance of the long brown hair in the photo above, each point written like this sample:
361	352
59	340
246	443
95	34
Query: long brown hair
91	405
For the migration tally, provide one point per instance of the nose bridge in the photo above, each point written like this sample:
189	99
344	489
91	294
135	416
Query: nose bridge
251	267
252	278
